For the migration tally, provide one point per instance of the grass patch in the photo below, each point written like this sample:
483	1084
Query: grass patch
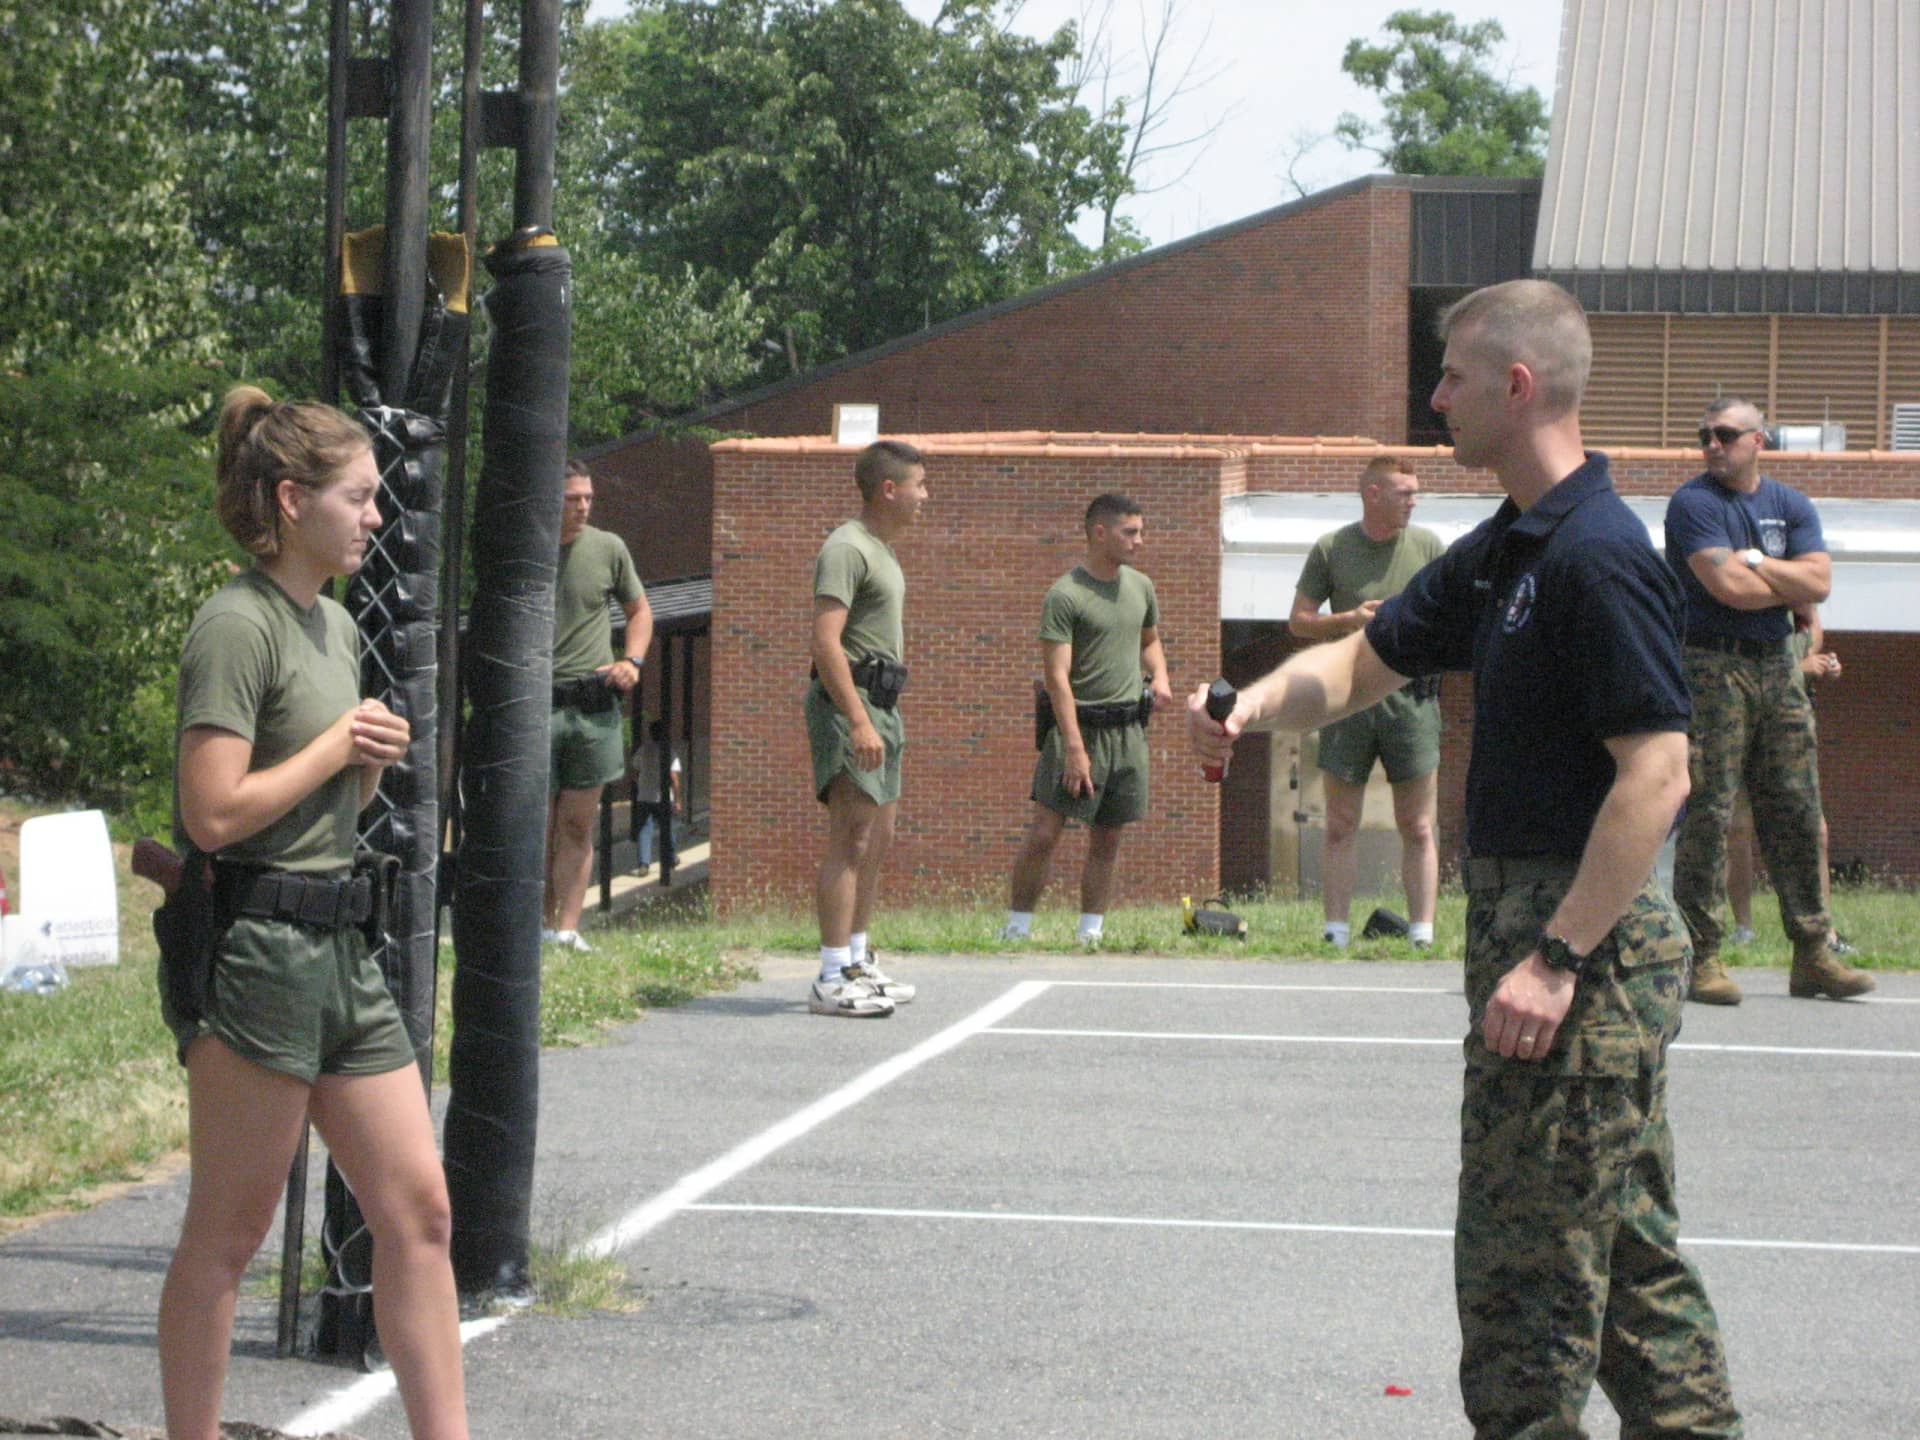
569	1283
90	1091
1882	922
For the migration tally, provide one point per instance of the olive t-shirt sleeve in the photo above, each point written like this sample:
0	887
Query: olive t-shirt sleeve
224	673
1153	606
838	572
1316	580
626	578
1057	617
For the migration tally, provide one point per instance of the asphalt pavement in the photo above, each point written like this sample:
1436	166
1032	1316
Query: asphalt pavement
1074	1196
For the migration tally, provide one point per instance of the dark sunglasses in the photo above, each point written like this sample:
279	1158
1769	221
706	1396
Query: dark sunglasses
1725	434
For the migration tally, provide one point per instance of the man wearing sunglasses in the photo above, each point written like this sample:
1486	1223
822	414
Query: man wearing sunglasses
1748	551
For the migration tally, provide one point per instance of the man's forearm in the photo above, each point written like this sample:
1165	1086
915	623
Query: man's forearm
1623	844
1803	580
1319	685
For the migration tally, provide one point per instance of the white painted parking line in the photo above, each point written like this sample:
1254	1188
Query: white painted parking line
745	1156
1237	985
1156	1222
353	1401
1453	1041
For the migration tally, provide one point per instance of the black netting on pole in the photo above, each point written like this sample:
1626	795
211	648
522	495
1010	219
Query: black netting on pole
395	599
507	669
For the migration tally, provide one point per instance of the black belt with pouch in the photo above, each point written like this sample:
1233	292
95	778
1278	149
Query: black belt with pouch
1113	716
883	680
590	694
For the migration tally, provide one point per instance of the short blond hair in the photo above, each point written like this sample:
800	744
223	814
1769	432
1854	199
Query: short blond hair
1383	468
1533	323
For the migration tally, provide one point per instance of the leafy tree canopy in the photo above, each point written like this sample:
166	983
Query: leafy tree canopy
859	172
1446	111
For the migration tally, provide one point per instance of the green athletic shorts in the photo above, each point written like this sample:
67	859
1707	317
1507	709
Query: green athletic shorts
1119	760
1401	732
830	738
300	1000
588	750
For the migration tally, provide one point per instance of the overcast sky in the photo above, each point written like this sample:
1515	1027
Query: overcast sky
1277	75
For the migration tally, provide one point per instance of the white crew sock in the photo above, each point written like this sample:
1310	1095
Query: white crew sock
1091	926
1338	932
1020	922
834	959
1421	930
859	947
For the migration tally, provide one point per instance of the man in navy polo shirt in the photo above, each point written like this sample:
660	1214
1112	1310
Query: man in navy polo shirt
1748	550
1567	1267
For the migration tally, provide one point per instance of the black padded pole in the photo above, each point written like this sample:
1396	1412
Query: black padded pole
494	1062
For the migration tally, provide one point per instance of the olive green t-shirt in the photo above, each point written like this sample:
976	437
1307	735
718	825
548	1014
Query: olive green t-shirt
259	666
1345	567
595	566
1102	621
859	569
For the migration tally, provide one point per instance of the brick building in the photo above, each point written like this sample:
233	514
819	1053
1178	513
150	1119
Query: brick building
1315	318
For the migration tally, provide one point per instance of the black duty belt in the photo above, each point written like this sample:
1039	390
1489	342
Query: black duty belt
1737	645
590	693
884	680
1113	716
1497	872
328	902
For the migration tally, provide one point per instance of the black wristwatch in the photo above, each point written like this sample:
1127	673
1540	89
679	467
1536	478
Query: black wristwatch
1562	956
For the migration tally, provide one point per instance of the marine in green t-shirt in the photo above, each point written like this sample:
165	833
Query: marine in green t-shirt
854	730
1352	570
588	737
1099	631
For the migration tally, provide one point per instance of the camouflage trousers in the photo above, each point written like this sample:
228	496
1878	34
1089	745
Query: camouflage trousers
1567	1265
1752	725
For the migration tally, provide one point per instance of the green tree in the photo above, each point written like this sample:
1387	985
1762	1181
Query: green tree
1447	112
100	256
110	544
861	173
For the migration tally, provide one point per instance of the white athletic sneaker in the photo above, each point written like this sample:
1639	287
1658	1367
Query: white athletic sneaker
1742	935
548	937
882	984
570	940
849	997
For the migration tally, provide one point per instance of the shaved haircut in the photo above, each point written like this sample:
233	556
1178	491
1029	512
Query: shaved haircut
1533	323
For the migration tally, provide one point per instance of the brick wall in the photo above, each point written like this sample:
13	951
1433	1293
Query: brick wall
1003	523
1301	330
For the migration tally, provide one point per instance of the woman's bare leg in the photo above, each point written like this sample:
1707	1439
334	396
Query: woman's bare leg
245	1123
380	1134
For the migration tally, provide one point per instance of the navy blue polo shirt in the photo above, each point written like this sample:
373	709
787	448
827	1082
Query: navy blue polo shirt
1570	622
1775	519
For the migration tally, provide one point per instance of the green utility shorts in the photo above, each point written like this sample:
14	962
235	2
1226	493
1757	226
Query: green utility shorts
300	1000
1119	762
588	750
830	738
1401	732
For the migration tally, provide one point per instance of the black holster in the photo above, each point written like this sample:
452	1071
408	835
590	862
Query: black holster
381	871
189	926
884	680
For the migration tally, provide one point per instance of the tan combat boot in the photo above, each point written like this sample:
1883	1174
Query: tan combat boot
1711	985
1817	972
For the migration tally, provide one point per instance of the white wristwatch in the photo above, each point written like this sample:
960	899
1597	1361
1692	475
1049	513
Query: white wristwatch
1753	558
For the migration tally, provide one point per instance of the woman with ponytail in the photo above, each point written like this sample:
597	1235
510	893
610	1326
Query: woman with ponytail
277	756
